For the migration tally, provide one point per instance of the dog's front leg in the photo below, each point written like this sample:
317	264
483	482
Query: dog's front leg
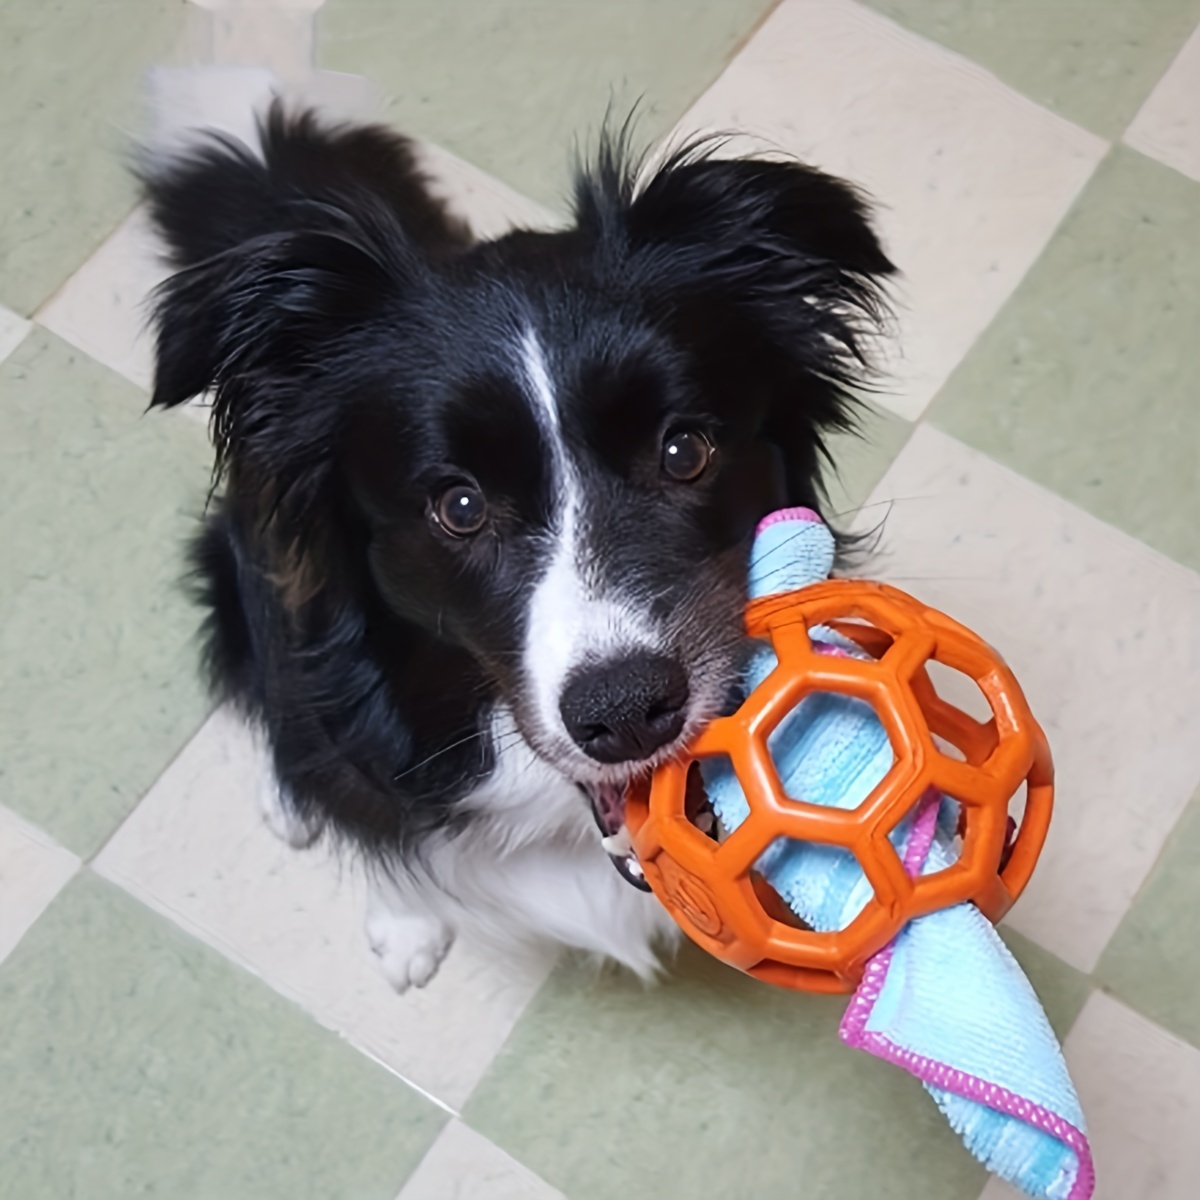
278	812
410	942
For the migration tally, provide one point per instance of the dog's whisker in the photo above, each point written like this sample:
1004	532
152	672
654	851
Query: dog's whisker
480	733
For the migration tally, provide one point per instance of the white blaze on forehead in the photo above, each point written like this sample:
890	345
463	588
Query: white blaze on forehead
537	376
570	620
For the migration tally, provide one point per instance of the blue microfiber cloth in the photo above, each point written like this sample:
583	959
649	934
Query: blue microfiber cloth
945	1000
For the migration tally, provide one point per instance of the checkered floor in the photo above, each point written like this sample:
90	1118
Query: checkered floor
189	1010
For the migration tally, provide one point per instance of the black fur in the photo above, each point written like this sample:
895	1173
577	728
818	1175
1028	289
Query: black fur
357	347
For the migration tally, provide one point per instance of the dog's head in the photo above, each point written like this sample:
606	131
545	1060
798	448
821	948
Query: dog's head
550	450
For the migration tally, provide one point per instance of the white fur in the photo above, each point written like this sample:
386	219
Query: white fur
529	870
571	620
410	947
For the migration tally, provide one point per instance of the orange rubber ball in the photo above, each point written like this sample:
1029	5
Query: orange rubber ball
709	884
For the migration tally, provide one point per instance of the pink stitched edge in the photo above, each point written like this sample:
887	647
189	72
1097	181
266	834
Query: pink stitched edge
991	1095
832	651
923	828
787	514
853	1031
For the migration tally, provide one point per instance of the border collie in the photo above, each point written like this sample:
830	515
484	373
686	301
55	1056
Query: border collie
479	552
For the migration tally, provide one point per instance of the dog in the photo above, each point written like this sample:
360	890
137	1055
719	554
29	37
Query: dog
477	551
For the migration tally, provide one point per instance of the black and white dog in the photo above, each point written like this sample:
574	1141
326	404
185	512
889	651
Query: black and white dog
480	551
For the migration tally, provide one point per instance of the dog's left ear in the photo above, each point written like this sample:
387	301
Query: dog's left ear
774	266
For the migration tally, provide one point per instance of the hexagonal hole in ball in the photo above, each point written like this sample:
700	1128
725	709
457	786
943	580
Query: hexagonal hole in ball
701	813
808	751
946	695
1016	817
952	821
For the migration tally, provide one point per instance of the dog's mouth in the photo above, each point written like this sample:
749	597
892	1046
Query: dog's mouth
608	808
607	796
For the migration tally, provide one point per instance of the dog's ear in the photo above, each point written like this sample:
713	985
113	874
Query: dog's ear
283	259
772	266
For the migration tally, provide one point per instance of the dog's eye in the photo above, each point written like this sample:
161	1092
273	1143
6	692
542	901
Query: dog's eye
460	510
686	455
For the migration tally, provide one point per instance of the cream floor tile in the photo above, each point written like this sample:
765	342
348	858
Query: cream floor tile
33	869
277	37
225	97
1168	125
1104	635
970	177
103	309
196	849
13	329
464	1165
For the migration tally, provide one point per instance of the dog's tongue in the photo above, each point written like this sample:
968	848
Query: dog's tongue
608	805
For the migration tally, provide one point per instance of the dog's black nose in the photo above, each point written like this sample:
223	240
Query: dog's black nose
625	708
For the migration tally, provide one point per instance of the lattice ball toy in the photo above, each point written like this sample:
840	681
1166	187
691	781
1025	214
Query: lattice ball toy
872	643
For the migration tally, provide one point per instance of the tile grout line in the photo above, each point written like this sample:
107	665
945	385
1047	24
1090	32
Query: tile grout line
193	930
35	833
1188	575
89	859
14	329
735	50
51	847
927	412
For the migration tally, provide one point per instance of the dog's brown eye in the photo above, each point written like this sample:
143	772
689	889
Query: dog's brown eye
686	455
460	510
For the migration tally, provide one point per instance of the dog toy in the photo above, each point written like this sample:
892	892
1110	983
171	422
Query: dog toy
849	828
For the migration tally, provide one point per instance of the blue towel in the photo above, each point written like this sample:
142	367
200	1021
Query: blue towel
945	1000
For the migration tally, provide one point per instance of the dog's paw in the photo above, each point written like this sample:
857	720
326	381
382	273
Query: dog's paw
279	816
409	948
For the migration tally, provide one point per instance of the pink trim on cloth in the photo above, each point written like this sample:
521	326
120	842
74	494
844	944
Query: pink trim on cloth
787	514
832	651
853	1031
921	838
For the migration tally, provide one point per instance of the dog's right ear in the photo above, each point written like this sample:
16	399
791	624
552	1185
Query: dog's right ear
280	260
254	312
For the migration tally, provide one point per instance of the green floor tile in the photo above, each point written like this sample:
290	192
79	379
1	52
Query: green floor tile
710	1085
98	680
1061	988
70	72
136	1062
1093	61
510	85
858	461
1153	960
1086	381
